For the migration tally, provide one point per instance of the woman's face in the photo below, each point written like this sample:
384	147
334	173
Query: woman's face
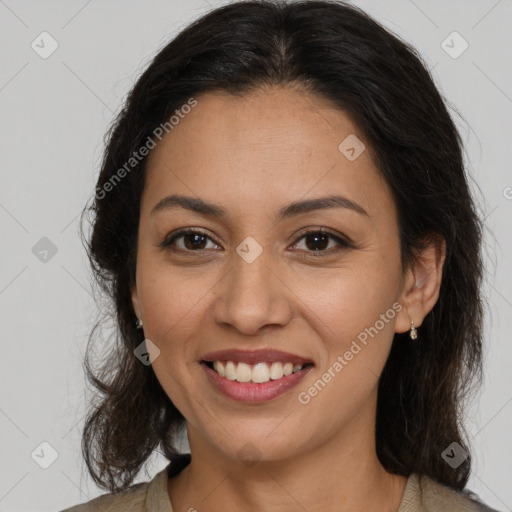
251	282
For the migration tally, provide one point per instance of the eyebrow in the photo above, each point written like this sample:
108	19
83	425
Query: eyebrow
296	208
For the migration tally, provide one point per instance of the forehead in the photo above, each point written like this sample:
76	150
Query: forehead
276	144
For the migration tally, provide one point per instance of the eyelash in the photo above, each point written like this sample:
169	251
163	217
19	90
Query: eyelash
343	243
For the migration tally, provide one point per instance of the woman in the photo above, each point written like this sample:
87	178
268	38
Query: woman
285	229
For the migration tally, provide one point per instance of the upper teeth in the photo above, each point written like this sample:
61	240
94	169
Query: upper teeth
260	372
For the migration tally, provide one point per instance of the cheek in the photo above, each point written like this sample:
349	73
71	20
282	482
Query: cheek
174	304
354	317
348	302
173	299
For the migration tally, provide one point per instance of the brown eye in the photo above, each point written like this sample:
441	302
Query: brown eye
320	241
189	240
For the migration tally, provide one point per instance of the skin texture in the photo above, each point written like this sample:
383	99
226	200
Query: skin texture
252	155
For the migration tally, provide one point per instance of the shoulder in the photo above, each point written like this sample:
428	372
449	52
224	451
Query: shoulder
131	500
423	494
141	497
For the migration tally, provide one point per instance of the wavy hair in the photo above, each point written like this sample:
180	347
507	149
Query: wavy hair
338	52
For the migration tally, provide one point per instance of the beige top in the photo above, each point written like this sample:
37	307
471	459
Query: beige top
421	494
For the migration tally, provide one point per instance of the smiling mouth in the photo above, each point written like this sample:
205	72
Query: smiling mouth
258	373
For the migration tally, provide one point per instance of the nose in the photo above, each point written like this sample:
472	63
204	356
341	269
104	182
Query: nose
252	297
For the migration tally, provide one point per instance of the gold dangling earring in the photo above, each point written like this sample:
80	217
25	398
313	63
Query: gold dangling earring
413	333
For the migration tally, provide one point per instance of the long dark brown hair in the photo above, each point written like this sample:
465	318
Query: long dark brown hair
339	53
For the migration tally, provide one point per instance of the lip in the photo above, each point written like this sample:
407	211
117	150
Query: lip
252	392
255	356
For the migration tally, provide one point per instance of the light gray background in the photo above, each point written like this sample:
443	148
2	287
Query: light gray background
54	113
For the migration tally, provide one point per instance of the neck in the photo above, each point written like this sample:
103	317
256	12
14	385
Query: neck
342	473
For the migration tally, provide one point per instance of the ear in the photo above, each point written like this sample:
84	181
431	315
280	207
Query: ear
135	301
421	284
